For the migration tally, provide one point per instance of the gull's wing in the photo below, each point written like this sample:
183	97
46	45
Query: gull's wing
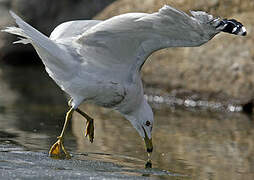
72	29
125	41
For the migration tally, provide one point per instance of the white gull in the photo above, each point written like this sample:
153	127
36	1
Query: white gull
100	61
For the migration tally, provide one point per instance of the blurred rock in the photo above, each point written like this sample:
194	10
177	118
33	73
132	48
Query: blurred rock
216	7
45	16
223	68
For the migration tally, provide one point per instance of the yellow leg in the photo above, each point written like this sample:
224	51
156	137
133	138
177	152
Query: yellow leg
89	125
149	149
57	148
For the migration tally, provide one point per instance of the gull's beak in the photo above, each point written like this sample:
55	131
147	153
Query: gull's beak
149	149
148	142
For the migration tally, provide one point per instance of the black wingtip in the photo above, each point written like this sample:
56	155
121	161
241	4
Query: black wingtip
231	26
244	33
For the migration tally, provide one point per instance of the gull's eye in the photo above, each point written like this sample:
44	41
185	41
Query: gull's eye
148	123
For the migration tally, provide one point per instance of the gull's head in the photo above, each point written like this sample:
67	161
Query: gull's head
231	26
142	119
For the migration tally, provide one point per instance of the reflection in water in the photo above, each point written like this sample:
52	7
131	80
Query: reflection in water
30	104
192	145
198	144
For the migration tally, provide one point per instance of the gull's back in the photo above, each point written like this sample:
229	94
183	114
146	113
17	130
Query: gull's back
72	29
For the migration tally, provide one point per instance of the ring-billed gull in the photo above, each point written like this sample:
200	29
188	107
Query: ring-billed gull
100	61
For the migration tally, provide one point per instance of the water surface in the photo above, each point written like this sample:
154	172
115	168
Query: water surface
188	143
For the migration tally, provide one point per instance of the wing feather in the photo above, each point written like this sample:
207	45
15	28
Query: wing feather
127	40
72	29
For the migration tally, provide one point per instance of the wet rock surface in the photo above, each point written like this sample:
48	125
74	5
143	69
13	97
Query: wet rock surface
15	163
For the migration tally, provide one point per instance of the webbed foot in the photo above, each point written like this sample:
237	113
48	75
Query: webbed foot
58	150
89	125
90	130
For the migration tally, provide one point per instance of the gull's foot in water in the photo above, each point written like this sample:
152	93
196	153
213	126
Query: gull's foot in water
90	129
148	164
58	151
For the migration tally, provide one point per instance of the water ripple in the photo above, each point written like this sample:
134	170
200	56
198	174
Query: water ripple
173	101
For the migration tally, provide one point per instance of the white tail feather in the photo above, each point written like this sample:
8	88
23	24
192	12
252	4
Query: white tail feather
22	41
19	32
51	54
27	31
16	31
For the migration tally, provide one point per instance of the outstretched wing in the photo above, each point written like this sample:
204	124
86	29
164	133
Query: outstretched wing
127	40
124	42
